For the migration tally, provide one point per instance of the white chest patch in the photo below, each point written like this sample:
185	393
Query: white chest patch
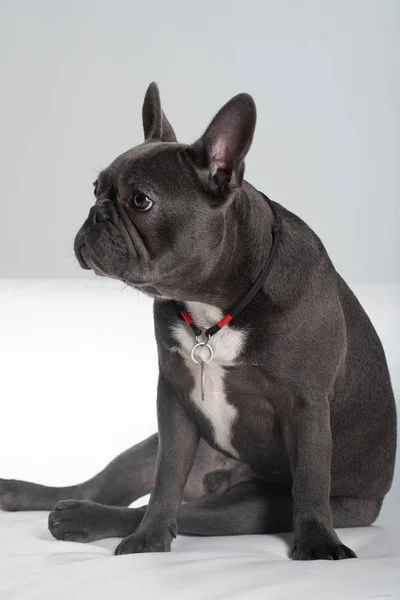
227	345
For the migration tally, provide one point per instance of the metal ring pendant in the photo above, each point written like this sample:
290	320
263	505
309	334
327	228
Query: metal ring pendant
200	344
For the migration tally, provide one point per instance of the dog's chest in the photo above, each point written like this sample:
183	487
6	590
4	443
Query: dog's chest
227	346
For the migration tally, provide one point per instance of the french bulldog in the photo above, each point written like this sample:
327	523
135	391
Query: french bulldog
280	417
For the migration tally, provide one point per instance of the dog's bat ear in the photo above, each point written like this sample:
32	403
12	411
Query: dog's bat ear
227	140
156	126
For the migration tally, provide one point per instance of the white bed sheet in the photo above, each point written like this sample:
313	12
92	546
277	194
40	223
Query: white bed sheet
34	565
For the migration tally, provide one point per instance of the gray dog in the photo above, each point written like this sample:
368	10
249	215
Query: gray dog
274	401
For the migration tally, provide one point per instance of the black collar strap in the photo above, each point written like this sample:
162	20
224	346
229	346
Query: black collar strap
257	285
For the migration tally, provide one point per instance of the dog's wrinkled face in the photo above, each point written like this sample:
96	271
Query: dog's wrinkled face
150	220
158	222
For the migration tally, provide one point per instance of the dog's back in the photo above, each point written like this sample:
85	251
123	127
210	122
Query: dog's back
363	411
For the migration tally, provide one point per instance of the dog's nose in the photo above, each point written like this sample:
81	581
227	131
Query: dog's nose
98	214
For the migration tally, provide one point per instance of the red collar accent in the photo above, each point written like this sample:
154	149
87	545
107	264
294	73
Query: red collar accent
198	331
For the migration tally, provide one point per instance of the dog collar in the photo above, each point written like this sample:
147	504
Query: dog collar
257	285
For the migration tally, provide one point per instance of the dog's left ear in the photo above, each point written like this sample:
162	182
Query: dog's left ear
156	126
227	140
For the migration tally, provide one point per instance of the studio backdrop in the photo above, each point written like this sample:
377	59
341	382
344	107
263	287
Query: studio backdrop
322	73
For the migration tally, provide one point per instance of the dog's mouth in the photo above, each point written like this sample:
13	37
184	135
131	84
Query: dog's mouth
88	261
91	257
81	258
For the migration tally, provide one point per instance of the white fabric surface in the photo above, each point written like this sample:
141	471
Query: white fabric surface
63	348
36	566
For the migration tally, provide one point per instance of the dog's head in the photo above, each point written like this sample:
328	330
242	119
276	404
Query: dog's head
159	219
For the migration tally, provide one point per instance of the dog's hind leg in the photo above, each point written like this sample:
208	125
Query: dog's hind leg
354	512
249	507
126	478
258	507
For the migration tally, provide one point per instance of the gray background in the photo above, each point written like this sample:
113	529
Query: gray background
324	75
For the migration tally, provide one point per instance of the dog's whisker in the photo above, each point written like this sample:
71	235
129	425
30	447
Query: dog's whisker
121	290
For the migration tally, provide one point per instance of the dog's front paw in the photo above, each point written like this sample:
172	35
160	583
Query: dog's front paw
318	551
146	541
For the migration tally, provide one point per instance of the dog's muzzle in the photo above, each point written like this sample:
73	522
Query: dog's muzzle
97	214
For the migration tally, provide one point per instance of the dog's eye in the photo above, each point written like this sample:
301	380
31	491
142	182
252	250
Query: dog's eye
142	202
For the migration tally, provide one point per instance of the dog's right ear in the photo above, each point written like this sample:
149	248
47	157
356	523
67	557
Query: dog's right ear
156	126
